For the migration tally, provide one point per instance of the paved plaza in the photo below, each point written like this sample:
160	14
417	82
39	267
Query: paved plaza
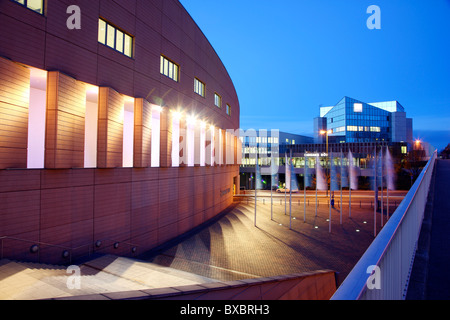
231	248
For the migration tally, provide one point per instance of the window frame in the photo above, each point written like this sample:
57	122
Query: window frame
216	95
114	46
199	87
228	110
170	65
25	4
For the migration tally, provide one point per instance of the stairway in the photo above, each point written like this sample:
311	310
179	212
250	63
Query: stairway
105	274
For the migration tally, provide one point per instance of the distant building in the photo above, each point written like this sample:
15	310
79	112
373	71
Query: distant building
266	142
353	121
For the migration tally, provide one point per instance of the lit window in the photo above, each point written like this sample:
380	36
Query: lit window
35	5
119	40
102	31
404	150
199	87
115	38
128	50
228	110
358	107
218	101
352	128
169	69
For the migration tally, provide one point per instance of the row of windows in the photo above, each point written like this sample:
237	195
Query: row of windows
199	88
122	42
114	38
361	128
169	69
35	5
264	140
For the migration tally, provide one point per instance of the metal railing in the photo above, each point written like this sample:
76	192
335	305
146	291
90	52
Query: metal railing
384	270
65	254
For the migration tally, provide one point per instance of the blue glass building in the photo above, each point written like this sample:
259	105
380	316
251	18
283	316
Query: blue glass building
351	121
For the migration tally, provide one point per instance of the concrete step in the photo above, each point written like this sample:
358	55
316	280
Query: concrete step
106	274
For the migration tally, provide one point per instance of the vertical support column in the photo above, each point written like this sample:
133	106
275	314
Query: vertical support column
142	133
166	139
209	146
65	123
14	102
230	154
110	129
238	151
200	145
224	146
182	141
218	146
191	142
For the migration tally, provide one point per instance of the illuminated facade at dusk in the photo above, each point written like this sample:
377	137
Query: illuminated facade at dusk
116	136
354	121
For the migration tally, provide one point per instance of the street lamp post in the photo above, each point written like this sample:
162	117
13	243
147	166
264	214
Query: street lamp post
326	133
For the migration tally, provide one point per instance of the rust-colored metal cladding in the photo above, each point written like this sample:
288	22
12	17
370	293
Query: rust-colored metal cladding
108	142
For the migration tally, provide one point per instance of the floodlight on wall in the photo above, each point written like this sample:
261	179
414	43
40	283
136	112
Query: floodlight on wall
176	115
191	120
157	108
34	248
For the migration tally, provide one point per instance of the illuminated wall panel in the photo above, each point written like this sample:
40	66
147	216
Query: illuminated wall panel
176	140
190	142
155	136
166	139
128	133
110	129
37	119
210	146
219	145
91	127
200	144
142	133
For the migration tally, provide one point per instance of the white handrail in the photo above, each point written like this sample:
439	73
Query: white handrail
383	271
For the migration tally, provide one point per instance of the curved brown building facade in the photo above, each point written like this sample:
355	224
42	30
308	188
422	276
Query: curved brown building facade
118	128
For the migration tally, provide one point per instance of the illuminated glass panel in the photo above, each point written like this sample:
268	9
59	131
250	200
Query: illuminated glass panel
110	36
199	87
35	5
218	101
102	31
114	38
128	49
156	137
119	40
357	107
169	69
175	141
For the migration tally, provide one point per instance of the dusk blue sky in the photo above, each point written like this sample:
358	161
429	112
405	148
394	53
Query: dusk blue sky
288	57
